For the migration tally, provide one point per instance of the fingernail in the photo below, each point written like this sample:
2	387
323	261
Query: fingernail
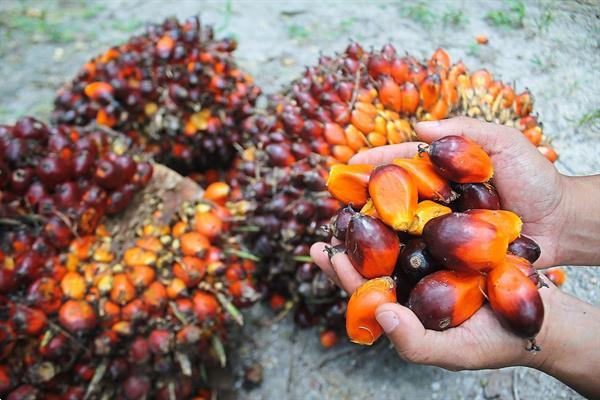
429	124
388	321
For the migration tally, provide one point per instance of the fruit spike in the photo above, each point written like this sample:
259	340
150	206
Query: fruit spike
129	317
176	88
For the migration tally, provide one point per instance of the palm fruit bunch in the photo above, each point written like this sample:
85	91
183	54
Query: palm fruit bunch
175	89
346	104
57	183
441	253
143	320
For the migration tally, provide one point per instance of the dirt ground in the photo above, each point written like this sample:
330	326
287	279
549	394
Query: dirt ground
551	47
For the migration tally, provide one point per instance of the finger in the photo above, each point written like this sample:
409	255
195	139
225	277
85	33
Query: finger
493	138
385	154
348	276
320	257
411	340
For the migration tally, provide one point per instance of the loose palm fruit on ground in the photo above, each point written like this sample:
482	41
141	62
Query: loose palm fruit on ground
415	261
446	299
328	338
506	222
556	275
349	183
476	195
515	300
526	248
430	185
361	325
425	212
464	242
174	88
372	246
394	196
460	160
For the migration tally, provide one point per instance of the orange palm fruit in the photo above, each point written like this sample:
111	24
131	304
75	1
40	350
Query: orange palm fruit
103	118
190	270
138	256
548	152
445	299
217	192
439	59
77	316
208	224
426	211
506	222
461	160
525	267
369	209
448	92
354	138
390	94
430	185
334	134
410	98
429	91
98	90
376	139
149	243
515	299
361	325
399	70
481	79
193	244
362	120
342	153
534	135
328	338
556	275
73	285
523	104
439	110
155	297
140	275
372	246
394	195
464	242
123	290
348	183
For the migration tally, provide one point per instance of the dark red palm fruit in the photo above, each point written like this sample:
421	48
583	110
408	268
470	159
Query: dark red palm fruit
57	233
136	310
7	339
8	280
28	266
108	175
7	379
136	387
476	196
88	218
461	160
56	348
15	150
106	343
83	163
515	300
52	170
46	206
74	393
5	175
127	167
280	155
372	246
45	294
57	142
95	196
77	316
84	371
139	351
143	174
20	180
24	392
446	299
526	248
120	199
340	222
34	193
404	285
28	320
206	306
30	128
160	341
66	195
415	261
118	367
465	243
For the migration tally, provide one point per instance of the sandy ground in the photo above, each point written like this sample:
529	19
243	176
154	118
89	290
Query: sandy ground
551	47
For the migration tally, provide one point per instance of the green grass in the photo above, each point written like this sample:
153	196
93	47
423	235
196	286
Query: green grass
512	15
546	16
419	13
298	32
454	17
589	118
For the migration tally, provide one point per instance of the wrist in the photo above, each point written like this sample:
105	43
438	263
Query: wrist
579	211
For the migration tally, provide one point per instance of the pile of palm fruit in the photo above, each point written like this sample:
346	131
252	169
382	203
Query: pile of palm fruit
87	315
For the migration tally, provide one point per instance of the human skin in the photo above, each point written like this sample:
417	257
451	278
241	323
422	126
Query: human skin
562	214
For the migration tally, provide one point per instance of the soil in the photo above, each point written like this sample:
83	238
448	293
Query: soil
551	47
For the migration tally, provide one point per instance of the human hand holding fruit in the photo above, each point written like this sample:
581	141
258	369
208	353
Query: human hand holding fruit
528	185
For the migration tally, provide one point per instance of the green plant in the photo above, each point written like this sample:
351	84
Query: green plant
419	13
510	16
546	16
454	17
298	32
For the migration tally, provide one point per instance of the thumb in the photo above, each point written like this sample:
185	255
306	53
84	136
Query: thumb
408	335
493	138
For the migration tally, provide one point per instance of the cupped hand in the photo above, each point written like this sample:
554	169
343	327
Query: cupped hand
526	182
